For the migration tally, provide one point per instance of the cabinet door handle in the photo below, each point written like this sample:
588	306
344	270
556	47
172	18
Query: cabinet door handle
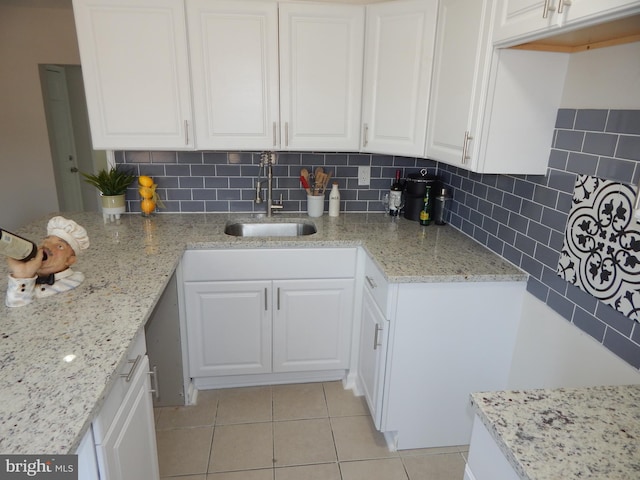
562	4
286	134
275	135
370	281
265	299
186	132
136	362
376	343
365	135
465	147
548	6
278	298
155	389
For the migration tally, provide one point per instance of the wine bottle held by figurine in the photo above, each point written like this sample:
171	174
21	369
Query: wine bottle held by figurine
15	246
334	201
395	196
425	213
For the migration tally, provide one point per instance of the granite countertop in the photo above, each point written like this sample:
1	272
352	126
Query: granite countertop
566	433
46	404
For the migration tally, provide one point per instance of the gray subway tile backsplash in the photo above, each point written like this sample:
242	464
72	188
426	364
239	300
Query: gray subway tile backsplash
521	217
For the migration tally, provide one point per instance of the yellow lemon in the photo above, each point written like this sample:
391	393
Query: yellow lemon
147	206
145	181
145	192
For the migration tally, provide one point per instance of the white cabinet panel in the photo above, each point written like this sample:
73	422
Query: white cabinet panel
228	327
136	73
234	71
312	324
398	58
321	55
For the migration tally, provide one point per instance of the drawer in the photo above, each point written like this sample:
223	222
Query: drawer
119	388
268	264
377	284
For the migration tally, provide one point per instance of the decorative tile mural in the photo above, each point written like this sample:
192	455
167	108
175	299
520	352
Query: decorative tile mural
601	251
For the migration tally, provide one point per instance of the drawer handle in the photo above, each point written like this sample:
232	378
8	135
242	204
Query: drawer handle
376	342
371	282
154	382
136	362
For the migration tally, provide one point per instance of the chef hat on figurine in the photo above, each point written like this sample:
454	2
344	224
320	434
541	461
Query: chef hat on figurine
70	232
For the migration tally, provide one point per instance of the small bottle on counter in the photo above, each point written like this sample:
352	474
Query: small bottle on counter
395	196
15	246
334	200
425	213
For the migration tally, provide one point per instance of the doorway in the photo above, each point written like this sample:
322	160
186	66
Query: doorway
69	137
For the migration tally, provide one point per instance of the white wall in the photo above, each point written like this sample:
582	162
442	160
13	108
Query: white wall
31	32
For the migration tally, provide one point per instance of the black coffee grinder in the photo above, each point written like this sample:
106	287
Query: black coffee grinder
414	190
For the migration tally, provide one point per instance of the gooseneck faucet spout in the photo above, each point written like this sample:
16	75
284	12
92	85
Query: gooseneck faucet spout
267	160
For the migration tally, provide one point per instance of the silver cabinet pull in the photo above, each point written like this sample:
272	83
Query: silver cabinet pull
136	362
548	6
376	343
275	135
370	281
265	299
286	134
562	4
186	132
465	147
278	298
365	135
154	382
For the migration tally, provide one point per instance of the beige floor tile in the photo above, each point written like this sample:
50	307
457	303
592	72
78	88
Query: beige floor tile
242	447
342	403
202	414
384	469
184	451
324	471
264	474
244	405
300	442
357	439
449	466
305	400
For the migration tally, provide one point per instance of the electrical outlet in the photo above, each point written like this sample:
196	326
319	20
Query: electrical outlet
364	175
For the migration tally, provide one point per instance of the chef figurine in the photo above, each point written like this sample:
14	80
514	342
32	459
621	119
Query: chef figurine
42	278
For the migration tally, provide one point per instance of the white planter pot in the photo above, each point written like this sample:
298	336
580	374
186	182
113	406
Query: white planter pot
112	207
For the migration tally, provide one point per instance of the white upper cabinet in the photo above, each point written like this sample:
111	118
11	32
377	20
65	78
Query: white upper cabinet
321	55
491	111
276	76
136	73
234	72
520	21
398	57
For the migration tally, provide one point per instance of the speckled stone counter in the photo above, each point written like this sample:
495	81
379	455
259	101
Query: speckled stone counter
578	433
46	404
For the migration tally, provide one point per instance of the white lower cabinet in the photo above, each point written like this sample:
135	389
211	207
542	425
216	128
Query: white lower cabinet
255	316
485	460
124	431
443	341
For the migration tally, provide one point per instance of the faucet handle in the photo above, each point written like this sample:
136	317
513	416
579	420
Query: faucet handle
258	192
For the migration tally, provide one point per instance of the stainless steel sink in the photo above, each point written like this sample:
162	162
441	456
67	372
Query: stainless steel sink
284	229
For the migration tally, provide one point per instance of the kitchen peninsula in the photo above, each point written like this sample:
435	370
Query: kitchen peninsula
46	403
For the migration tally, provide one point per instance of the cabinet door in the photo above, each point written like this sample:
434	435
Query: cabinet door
372	356
136	73
129	451
459	69
516	18
234	70
398	57
228	327
312	324
321	51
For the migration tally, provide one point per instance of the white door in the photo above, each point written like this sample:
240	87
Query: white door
372	356
129	450
234	70
321	55
228	327
312	324
61	138
397	75
457	87
136	73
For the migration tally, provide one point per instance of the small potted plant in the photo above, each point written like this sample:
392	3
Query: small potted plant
112	184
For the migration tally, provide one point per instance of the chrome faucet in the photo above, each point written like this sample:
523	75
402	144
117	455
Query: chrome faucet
267	160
